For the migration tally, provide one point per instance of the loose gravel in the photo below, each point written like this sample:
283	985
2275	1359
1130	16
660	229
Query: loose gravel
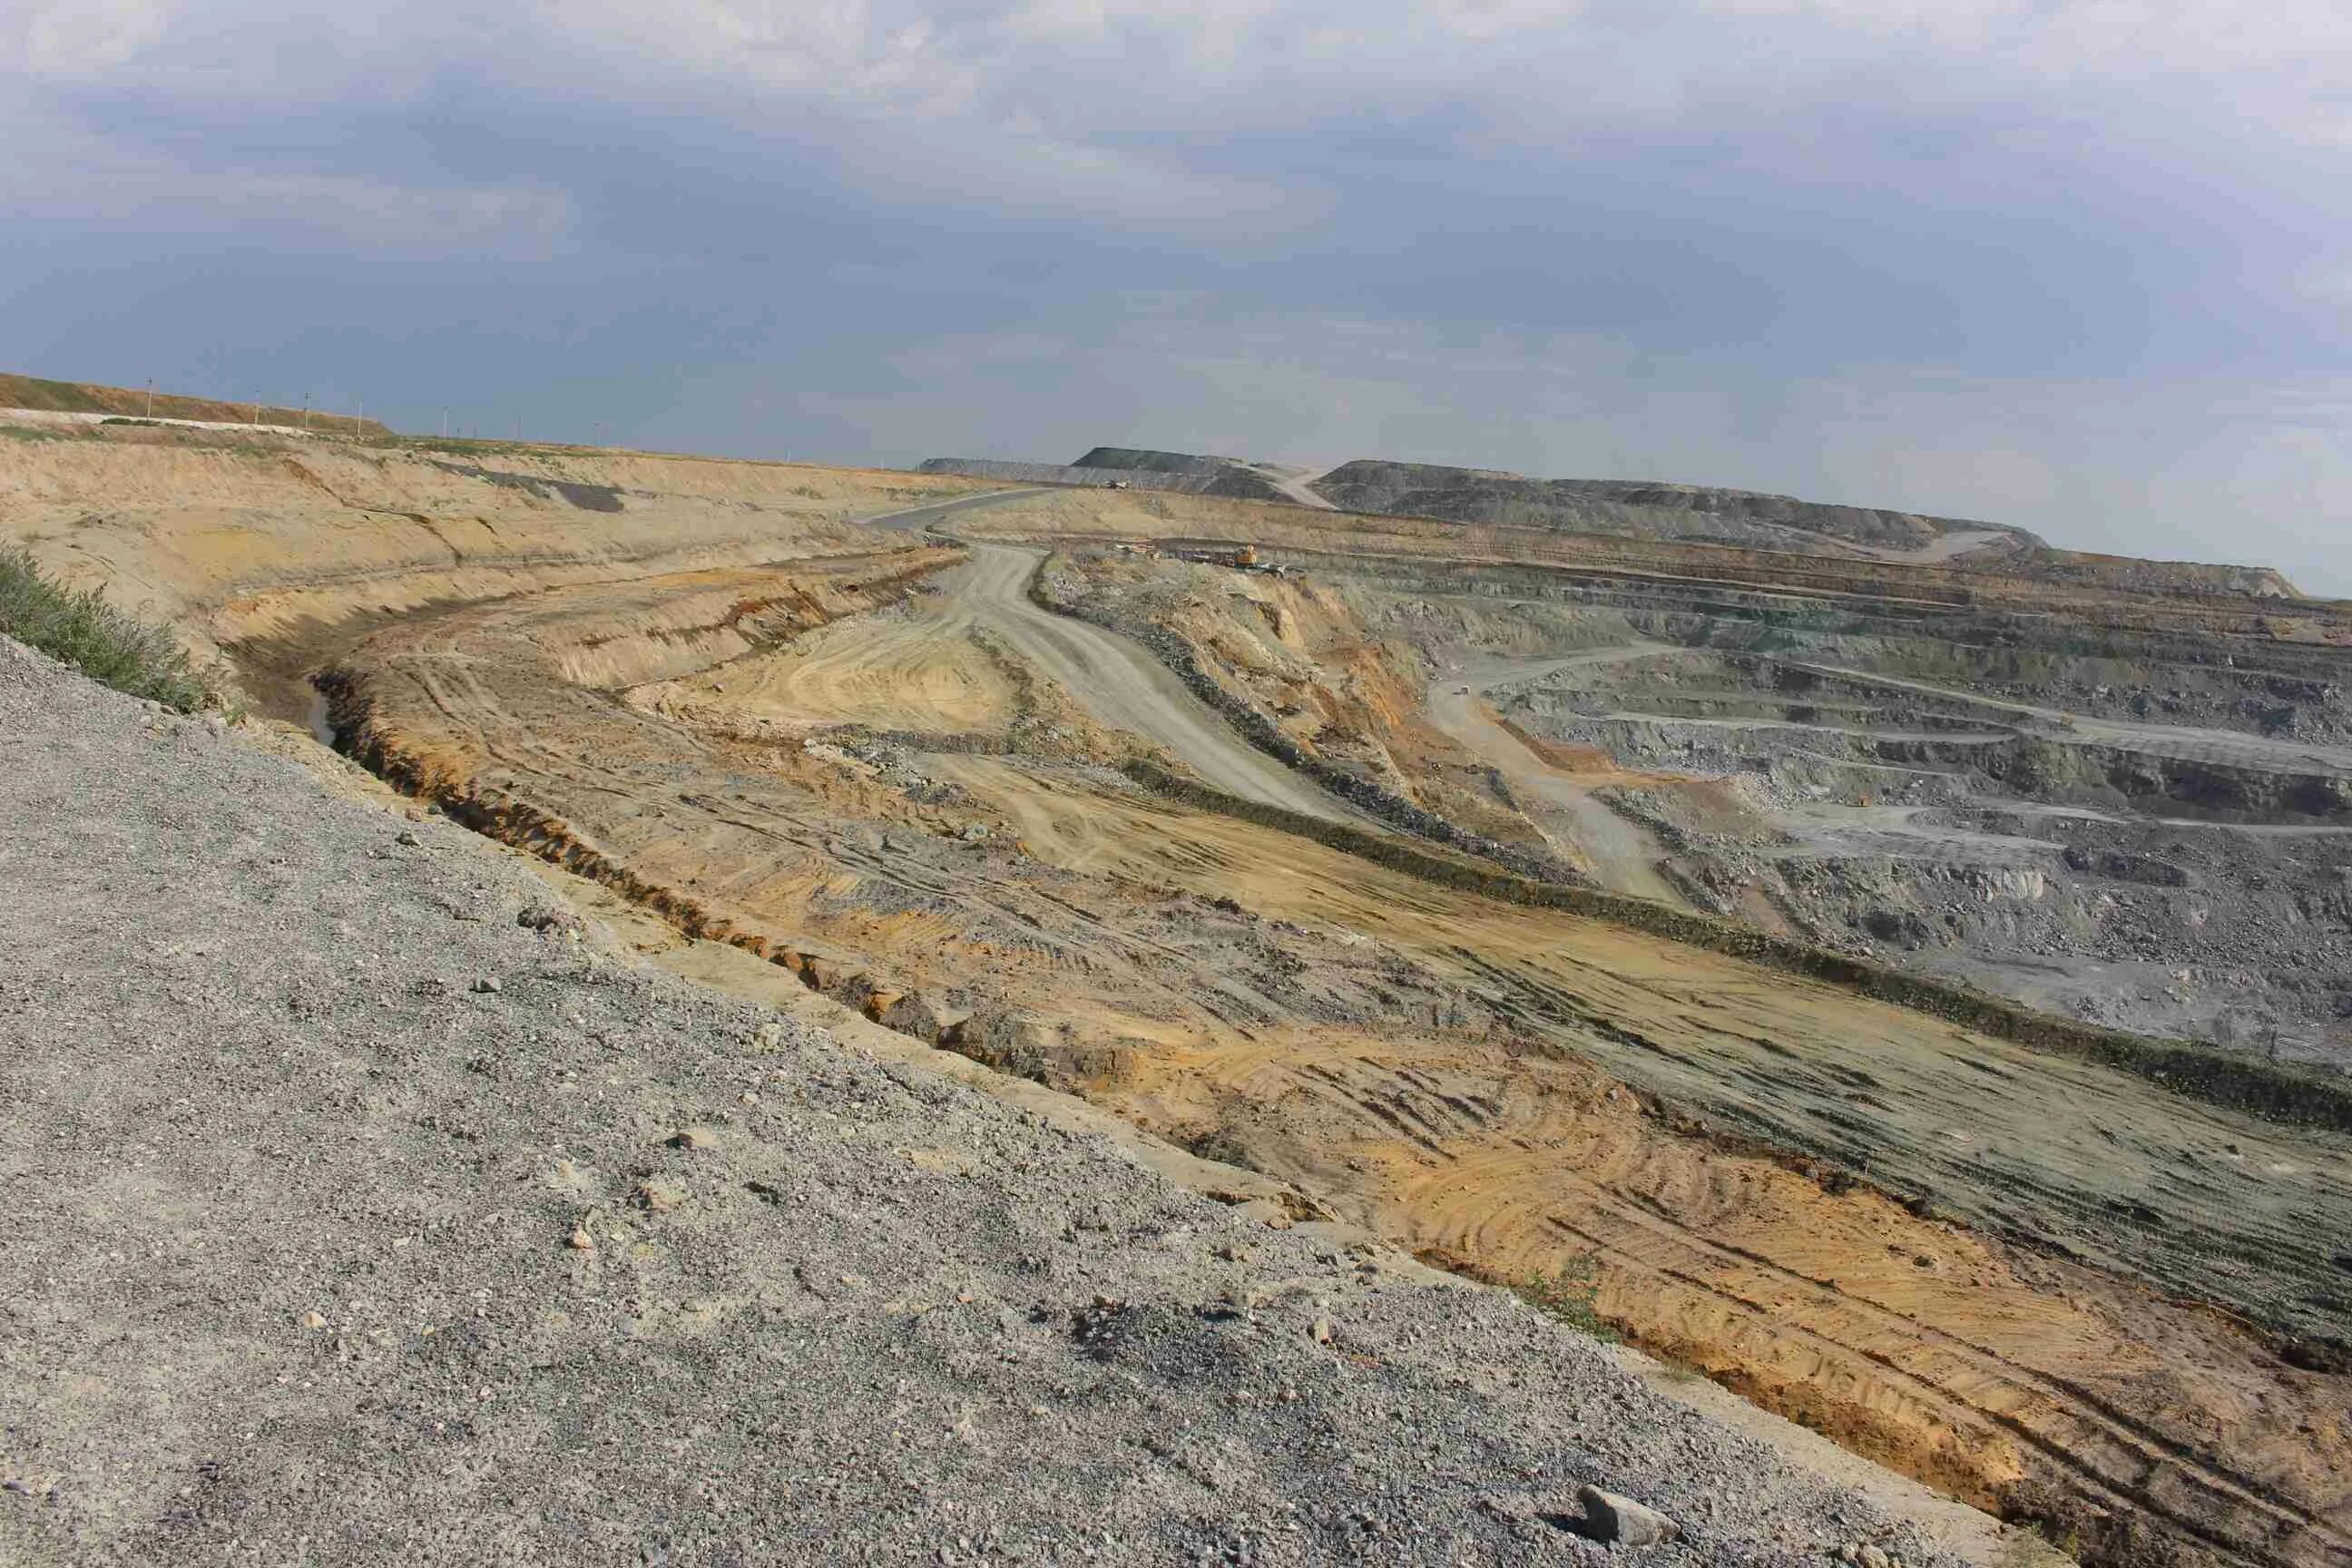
363	1207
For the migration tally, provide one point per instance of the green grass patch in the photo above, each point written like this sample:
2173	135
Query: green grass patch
455	445
81	629
1569	1294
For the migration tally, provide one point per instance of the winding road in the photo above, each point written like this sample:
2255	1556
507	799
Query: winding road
1116	680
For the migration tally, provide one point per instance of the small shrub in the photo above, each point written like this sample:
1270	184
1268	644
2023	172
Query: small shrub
1569	1294
84	631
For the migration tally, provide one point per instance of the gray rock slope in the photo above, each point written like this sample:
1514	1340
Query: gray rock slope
361	1209
1643	509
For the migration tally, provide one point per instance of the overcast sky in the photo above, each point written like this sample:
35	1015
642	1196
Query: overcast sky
2084	265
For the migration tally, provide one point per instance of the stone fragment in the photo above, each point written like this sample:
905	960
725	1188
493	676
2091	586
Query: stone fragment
659	1194
1623	1521
489	985
314	1321
1321	1331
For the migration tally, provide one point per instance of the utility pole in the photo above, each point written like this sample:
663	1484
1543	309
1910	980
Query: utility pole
151	397
358	418
306	414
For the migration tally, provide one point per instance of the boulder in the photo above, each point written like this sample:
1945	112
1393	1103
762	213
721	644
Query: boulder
1623	1521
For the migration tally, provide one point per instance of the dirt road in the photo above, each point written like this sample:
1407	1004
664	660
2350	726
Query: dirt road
1120	684
1295	484
914	516
1622	855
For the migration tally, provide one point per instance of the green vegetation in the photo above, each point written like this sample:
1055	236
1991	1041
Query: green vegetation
1569	1296
454	446
53	396
84	631
143	403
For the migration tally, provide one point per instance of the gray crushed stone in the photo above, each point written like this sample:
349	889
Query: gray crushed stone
289	1271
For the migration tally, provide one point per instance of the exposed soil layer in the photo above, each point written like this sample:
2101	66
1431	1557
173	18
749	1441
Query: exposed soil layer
1074	957
799	738
369	1206
2131	809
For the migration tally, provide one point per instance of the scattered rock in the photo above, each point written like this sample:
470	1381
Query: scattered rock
658	1194
2315	1354
407	837
489	984
1321	1331
1623	1521
1235	1301
694	1140
580	1241
314	1321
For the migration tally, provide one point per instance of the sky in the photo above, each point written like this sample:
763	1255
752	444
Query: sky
2080	264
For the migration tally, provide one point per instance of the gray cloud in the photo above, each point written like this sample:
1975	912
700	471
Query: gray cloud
2079	266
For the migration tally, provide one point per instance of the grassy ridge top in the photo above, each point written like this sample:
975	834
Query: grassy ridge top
131	403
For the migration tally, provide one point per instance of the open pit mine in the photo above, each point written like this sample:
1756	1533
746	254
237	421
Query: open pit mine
1903	967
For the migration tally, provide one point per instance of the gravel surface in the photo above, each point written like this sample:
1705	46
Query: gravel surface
363	1208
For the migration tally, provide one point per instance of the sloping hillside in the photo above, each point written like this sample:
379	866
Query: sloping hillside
1649	509
364	1196
135	403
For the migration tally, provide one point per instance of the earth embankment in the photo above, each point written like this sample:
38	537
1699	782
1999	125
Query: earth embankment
267	552
363	1195
798	737
131	403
